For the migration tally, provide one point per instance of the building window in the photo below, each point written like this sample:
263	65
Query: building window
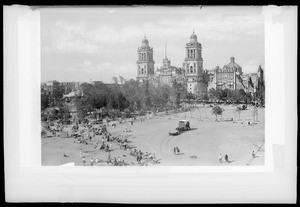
191	69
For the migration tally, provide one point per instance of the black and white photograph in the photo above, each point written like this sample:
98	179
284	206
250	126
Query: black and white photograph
150	103
153	86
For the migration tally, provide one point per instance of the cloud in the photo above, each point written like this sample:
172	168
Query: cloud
251	66
77	37
125	69
105	47
217	27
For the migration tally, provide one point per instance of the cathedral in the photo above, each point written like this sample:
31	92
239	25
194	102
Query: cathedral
145	63
197	80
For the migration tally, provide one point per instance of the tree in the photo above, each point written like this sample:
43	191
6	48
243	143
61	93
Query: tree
180	91
241	94
122	80
122	102
44	101
217	110
115	80
220	94
189	96
239	111
248	97
212	94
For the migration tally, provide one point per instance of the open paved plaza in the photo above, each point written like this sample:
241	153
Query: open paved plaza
199	146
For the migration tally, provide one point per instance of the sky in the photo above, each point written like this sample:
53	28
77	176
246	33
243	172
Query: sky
98	43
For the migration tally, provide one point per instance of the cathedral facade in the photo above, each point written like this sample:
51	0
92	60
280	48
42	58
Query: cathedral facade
230	76
197	80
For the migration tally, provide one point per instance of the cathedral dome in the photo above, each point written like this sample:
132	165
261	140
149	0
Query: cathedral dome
234	66
145	40
145	43
193	38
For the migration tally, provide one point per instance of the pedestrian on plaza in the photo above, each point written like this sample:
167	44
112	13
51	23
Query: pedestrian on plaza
178	151
175	151
253	154
92	161
226	158
220	158
83	161
108	158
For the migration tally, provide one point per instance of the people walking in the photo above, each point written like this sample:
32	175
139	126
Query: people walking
178	151
226	158
253	154
220	158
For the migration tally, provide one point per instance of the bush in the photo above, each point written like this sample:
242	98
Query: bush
217	110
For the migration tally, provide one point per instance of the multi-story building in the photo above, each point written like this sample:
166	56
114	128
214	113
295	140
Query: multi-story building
145	63
197	80
57	89
260	90
51	88
167	73
230	76
68	87
193	67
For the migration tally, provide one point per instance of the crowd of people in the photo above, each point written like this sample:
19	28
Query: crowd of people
144	158
97	135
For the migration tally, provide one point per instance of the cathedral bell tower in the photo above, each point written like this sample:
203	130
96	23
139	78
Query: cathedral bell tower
145	63
193	65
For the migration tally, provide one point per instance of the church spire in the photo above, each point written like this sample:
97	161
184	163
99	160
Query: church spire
165	49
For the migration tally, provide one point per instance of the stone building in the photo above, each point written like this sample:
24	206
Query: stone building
51	88
58	89
193	67
69	87
167	73
145	63
230	76
260	89
197	80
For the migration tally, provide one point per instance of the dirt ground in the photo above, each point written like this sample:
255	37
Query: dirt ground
200	146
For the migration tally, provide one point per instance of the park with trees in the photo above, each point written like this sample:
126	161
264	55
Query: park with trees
123	98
